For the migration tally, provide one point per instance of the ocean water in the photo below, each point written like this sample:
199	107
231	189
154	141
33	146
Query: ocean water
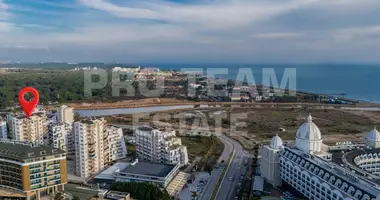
357	81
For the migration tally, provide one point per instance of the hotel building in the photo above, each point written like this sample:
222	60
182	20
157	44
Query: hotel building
158	146
31	129
96	145
316	172
30	170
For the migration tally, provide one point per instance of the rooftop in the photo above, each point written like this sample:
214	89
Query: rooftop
26	150
145	128
342	172
150	169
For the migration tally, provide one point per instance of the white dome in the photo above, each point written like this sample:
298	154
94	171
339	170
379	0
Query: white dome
309	131
276	142
373	135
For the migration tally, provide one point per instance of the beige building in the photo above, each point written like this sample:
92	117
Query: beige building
33	129
30	170
65	114
96	145
89	150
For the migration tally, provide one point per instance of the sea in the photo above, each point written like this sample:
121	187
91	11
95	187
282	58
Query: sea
356	81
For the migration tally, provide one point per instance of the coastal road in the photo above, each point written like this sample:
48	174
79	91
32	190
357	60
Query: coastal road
216	173
228	187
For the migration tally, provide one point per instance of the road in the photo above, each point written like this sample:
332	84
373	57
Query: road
216	173
228	187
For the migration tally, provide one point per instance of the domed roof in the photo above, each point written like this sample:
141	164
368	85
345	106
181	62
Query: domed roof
373	135
276	142
309	130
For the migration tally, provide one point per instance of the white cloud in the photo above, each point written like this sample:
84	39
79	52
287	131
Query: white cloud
277	35
218	14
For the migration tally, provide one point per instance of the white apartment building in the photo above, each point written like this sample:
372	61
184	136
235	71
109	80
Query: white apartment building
3	130
57	135
116	143
32	129
65	114
96	145
158	146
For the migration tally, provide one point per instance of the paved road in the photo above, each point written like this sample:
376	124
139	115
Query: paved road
228	187
216	173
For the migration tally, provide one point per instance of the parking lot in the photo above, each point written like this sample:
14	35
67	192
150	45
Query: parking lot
193	190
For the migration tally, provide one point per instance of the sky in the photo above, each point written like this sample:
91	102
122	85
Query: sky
190	31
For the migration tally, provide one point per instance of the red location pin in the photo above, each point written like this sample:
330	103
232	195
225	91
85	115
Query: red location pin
28	106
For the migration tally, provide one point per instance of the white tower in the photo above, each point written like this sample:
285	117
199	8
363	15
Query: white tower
270	161
373	138
308	138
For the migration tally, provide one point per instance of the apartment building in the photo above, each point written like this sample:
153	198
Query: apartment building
30	170
65	114
116	144
96	145
89	150
158	146
32	129
57	135
3	129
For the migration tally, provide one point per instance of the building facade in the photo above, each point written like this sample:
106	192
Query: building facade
96	145
65	114
33	129
3	130
158	146
57	135
116	144
30	169
311	171
89	149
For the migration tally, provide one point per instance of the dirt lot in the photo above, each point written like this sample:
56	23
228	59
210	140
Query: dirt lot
262	124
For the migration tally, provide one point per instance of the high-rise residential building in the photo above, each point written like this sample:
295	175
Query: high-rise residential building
65	114
70	140
33	129
89	151
3	129
31	170
158	146
57	135
96	145
116	144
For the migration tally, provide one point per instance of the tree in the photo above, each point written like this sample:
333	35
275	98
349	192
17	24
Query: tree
76	198
76	117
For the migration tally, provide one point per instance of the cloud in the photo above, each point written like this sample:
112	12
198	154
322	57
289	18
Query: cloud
277	35
191	31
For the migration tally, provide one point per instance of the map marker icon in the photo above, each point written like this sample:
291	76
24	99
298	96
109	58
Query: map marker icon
28	106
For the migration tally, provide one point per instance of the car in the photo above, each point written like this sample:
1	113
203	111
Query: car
230	178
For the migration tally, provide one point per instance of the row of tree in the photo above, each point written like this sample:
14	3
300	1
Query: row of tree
144	191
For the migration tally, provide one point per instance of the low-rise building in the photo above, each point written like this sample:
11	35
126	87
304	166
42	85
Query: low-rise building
31	170
155	173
